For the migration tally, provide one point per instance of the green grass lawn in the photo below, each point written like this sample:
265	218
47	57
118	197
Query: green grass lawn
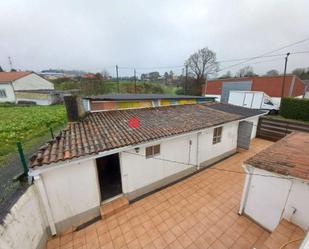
27	124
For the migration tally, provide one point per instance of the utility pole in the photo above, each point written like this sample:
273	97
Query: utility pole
134	80
10	62
284	74
186	83
117	78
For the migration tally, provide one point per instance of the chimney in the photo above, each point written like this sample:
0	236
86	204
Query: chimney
74	107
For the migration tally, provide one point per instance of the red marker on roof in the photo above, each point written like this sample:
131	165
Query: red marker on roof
134	122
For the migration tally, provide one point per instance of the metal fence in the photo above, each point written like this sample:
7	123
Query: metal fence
274	129
10	187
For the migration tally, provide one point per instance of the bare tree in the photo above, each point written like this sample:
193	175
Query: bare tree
245	72
105	74
200	65
273	72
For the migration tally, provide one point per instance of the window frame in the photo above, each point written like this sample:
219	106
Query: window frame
152	151
217	135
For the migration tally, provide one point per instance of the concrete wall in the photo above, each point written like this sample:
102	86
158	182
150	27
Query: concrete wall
10	96
25	225
269	199
32	82
73	193
38	98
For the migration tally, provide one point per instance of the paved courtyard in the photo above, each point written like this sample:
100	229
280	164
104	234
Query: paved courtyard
198	212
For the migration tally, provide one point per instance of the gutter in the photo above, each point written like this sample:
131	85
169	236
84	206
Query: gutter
197	146
40	169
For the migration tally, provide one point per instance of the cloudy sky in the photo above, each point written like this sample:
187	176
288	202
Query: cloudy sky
97	34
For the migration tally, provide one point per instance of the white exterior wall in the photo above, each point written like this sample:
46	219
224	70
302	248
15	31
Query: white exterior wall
207	150
72	189
269	199
25	225
37	101
10	95
138	171
299	200
32	82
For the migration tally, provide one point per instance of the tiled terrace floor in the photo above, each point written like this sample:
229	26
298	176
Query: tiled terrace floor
199	212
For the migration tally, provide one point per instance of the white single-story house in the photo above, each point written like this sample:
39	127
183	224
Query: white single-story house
132	152
26	87
277	183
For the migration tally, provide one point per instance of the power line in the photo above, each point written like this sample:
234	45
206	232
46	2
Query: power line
220	61
210	168
265	54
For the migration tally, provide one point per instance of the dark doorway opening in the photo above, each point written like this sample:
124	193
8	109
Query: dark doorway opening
109	176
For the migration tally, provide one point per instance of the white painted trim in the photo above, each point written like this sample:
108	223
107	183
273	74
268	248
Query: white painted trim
41	189
40	169
245	192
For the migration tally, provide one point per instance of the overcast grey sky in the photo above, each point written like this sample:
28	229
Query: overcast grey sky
96	34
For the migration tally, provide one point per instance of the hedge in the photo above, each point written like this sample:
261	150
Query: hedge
295	108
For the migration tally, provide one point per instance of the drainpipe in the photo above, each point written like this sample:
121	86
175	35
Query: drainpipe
40	187
246	190
197	145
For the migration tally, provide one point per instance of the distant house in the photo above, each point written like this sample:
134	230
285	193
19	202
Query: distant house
130	153
271	85
128	100
18	87
277	183
88	76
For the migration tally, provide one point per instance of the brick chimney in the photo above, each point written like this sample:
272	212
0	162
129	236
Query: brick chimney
74	107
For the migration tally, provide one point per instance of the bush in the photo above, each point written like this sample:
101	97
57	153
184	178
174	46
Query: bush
295	108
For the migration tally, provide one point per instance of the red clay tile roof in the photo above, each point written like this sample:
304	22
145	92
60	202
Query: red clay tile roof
289	156
12	76
103	131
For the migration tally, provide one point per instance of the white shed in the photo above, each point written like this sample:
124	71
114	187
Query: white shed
25	86
277	183
131	153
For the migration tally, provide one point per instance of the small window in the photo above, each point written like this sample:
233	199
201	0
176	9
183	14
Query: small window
217	135
149	152
152	151
2	93
156	149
